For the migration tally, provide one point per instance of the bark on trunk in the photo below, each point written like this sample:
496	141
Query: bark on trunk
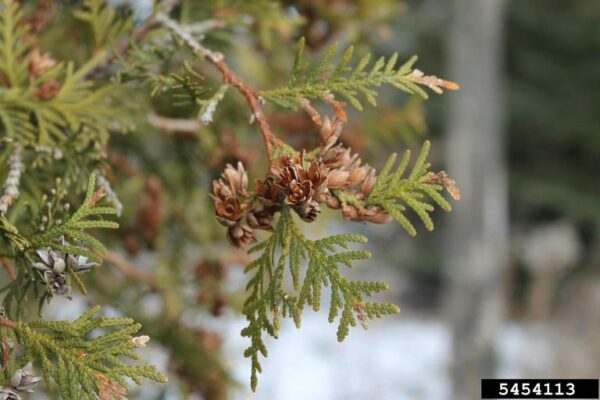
477	239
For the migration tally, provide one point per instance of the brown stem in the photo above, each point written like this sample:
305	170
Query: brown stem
229	76
9	269
132	272
8	323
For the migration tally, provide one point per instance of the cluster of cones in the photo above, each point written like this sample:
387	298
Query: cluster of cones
301	182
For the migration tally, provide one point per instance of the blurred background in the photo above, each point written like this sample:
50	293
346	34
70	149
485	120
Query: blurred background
508	284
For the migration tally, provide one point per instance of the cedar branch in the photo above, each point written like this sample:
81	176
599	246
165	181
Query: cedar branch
8	323
9	269
218	60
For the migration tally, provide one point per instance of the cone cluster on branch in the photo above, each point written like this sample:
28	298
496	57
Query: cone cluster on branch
348	175
303	182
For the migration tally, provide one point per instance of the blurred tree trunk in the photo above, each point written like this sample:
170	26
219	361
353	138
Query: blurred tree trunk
477	231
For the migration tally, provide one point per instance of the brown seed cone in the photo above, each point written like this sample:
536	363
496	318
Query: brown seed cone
237	178
228	208
299	193
337	179
293	170
350	212
374	214
321	194
262	219
316	174
326	130
358	175
332	202
368	184
309	211
270	192
228	211
337	157
222	190
291	183
240	235
330	133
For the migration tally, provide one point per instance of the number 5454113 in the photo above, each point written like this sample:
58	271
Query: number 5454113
539	389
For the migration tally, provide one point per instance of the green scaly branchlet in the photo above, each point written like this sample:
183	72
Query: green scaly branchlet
83	366
317	80
272	298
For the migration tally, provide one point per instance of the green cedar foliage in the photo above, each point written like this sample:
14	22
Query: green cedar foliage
65	236
61	112
272	298
78	113
84	366
107	26
396	191
71	108
88	216
81	365
311	80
